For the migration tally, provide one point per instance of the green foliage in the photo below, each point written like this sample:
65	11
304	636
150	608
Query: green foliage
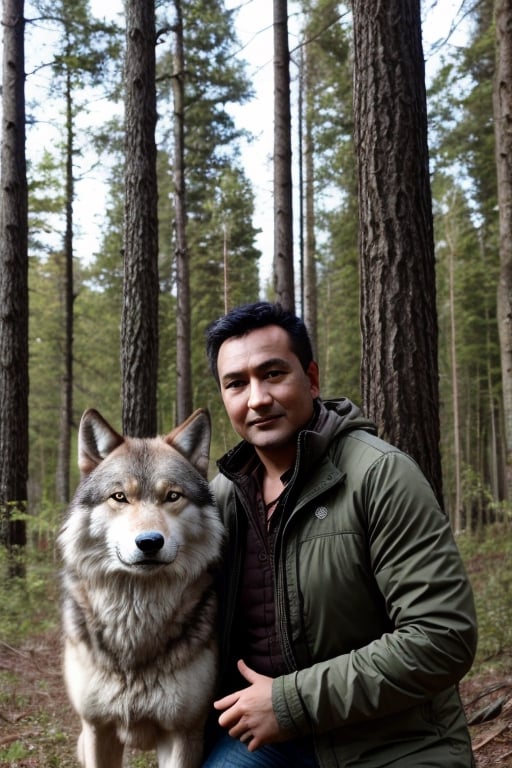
15	751
30	604
88	49
466	227
488	559
143	761
215	79
45	365
466	299
47	200
338	317
219	199
460	112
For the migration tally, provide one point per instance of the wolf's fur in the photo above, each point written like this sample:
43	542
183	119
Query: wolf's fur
140	545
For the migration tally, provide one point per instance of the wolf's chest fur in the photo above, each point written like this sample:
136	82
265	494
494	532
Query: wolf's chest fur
126	626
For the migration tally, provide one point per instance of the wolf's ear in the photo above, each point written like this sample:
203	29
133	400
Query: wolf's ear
96	439
192	439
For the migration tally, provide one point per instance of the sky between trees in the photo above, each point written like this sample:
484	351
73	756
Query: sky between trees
254	27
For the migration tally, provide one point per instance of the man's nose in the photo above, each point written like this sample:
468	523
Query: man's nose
259	394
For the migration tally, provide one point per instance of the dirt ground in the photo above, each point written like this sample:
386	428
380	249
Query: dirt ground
38	728
488	703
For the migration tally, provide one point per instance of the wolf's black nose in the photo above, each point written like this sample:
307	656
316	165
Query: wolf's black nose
149	541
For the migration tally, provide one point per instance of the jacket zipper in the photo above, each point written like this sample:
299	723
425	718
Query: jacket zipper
280	584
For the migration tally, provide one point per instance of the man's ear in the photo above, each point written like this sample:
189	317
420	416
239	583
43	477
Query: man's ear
313	375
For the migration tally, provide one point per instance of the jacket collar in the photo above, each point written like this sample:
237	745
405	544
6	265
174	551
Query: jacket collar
330	418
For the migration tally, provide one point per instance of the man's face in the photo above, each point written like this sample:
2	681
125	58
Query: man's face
267	394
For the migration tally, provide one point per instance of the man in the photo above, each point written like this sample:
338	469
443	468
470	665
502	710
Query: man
348	619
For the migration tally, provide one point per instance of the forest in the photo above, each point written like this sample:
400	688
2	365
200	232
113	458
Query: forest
110	313
163	162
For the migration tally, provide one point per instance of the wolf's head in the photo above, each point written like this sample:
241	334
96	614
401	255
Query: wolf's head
142	503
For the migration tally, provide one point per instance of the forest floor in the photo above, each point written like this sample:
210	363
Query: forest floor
487	697
39	728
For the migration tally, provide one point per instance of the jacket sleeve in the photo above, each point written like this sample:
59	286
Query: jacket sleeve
428	598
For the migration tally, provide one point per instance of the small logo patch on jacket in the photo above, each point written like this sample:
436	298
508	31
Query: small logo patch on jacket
321	513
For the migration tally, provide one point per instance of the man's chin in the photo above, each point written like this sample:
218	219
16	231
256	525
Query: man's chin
271	440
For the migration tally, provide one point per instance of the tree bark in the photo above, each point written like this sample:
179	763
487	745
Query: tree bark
66	394
456	518
283	215
13	289
502	103
139	328
398	313
310	281
183	351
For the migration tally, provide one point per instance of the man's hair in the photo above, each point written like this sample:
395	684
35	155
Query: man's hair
248	317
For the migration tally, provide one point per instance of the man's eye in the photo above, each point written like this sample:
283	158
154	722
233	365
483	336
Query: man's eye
173	496
274	374
119	497
236	384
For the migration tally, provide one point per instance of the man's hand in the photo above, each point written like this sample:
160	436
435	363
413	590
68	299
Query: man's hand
248	714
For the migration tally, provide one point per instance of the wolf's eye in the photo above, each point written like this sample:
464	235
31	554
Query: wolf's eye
173	496
120	497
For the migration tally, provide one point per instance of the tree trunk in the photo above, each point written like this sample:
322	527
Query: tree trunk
13	290
66	394
457	453
398	313
183	352
310	282
139	328
502	103
283	217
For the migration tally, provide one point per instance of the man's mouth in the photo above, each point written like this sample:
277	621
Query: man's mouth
265	420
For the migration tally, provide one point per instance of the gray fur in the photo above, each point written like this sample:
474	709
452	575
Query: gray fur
140	647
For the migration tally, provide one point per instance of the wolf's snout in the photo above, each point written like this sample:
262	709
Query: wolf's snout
149	541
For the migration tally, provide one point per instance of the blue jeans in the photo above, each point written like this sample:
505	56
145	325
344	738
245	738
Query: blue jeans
231	753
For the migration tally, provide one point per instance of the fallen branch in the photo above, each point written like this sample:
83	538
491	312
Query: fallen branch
490	712
11	719
494	735
486	691
27	655
17	737
13	650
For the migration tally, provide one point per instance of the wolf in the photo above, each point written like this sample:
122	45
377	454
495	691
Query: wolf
141	545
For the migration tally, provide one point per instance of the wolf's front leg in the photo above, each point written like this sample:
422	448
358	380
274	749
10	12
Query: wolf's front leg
181	750
99	746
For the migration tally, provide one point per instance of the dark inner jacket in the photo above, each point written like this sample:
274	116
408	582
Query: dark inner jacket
256	632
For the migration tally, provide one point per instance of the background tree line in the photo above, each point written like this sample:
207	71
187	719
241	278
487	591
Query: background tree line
194	76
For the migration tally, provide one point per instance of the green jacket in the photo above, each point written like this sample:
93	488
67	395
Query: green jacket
376	613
